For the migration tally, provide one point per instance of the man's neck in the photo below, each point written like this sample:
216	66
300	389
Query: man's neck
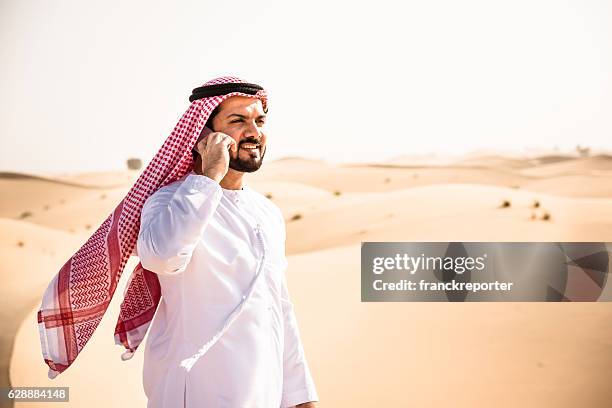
232	180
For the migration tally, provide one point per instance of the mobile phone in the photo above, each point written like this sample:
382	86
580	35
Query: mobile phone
205	132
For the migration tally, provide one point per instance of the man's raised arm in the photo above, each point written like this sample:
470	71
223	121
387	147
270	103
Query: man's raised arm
172	222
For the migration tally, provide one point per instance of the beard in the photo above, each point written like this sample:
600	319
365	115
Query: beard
249	164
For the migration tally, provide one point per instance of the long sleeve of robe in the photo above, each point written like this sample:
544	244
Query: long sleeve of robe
225	333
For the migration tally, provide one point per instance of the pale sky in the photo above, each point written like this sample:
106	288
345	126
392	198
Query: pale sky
85	85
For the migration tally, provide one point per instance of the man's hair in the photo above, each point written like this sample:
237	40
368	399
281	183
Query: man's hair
209	125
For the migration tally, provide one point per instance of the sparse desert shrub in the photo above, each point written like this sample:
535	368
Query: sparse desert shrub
296	217
134	163
25	214
269	196
505	204
337	193
583	151
536	204
546	216
20	244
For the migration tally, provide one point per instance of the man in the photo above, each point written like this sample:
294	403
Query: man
218	248
224	334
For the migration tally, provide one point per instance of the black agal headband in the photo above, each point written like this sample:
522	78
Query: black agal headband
223	89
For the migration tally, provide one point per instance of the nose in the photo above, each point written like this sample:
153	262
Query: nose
253	131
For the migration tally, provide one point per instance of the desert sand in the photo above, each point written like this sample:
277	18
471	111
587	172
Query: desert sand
361	354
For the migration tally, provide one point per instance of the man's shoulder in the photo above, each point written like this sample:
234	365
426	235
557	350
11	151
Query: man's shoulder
167	190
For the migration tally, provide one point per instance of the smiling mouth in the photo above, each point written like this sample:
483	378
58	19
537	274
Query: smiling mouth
249	146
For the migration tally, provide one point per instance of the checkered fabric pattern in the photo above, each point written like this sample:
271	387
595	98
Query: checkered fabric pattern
76	299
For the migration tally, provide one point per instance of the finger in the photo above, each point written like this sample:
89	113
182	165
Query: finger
215	137
231	144
211	141
225	139
201	146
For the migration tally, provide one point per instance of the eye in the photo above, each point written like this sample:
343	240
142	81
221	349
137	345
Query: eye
236	121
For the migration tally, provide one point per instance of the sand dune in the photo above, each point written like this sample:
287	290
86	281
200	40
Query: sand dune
383	178
550	158
495	162
292	197
584	166
111	179
31	255
362	355
375	178
37	196
450	213
596	185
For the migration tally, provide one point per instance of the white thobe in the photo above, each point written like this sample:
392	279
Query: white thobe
224	334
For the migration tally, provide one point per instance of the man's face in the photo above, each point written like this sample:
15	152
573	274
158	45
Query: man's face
243	119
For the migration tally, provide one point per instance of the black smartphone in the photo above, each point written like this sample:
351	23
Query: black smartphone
205	132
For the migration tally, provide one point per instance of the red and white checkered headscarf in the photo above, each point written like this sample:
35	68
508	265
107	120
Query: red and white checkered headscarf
76	299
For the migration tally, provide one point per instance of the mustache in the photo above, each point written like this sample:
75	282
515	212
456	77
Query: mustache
249	140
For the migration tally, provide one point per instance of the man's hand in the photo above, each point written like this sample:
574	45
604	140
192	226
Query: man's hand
215	151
